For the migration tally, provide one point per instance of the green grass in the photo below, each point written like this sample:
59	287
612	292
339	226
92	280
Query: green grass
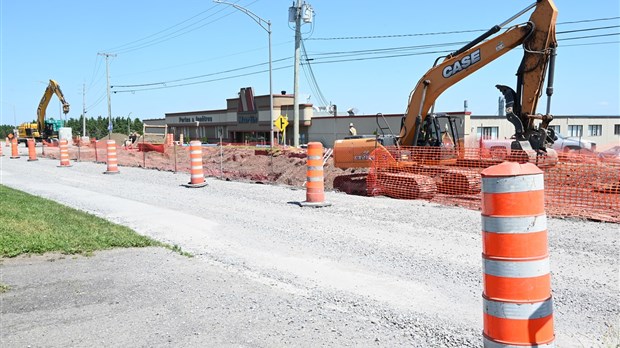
34	225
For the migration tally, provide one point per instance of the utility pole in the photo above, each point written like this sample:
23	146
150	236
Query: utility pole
83	110
296	74
300	11
107	73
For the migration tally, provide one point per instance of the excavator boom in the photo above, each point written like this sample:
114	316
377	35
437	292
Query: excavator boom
537	36
52	88
538	39
422	128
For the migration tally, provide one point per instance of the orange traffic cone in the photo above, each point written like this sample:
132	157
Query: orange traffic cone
14	153
315	189
112	160
197	178
32	152
518	309
64	153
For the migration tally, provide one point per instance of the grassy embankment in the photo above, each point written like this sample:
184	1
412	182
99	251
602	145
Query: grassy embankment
34	225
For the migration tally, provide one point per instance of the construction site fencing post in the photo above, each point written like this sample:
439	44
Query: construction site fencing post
221	159
517	303
32	152
94	142
175	156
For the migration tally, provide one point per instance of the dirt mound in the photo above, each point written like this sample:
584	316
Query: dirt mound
284	166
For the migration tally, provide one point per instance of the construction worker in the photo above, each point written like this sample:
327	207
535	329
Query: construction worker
352	129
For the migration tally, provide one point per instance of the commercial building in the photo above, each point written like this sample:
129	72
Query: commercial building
247	119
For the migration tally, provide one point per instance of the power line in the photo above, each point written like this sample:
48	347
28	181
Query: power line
587	29
589	20
440	32
181	31
310	76
205	81
336	57
196	77
588	37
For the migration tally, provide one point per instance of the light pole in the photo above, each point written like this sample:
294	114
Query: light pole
267	28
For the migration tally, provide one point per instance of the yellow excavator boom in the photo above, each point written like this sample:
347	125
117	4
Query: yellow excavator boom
52	88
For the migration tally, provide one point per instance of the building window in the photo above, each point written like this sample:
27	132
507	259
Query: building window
487	132
616	129
595	130
556	128
575	130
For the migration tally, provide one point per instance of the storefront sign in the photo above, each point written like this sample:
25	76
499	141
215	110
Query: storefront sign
195	119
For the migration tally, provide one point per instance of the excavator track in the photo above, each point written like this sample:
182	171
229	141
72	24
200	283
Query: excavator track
352	184
460	182
418	186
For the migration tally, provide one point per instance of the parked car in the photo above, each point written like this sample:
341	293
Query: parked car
611	155
566	144
500	148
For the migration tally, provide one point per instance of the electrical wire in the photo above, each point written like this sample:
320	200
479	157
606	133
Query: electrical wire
311	77
179	32
337	57
441	32
198	76
205	81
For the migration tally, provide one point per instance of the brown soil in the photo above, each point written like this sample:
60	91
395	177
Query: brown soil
285	166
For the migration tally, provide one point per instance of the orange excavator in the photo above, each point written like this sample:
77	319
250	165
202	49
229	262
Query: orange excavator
421	127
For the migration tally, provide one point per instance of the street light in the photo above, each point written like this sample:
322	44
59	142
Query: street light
267	28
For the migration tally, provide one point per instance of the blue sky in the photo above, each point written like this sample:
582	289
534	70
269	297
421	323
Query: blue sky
164	41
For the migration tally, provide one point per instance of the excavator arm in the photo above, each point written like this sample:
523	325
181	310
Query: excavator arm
52	88
537	36
538	39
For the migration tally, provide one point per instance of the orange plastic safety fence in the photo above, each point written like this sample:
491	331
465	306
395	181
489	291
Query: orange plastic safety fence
576	184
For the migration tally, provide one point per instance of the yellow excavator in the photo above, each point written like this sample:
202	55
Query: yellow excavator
421	127
44	129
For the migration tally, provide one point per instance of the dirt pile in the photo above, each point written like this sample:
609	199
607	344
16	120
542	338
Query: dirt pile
282	166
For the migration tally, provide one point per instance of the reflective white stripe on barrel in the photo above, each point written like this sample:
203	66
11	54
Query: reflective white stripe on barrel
196	176
523	269
314	178
197	167
513	184
526	224
487	343
198	152
315	157
315	168
525	311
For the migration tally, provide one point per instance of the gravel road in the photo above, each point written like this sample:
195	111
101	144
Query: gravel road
266	272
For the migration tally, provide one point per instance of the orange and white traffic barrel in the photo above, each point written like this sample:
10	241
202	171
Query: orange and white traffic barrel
64	153
112	160
518	309
32	153
315	188
1	154
14	151
197	177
